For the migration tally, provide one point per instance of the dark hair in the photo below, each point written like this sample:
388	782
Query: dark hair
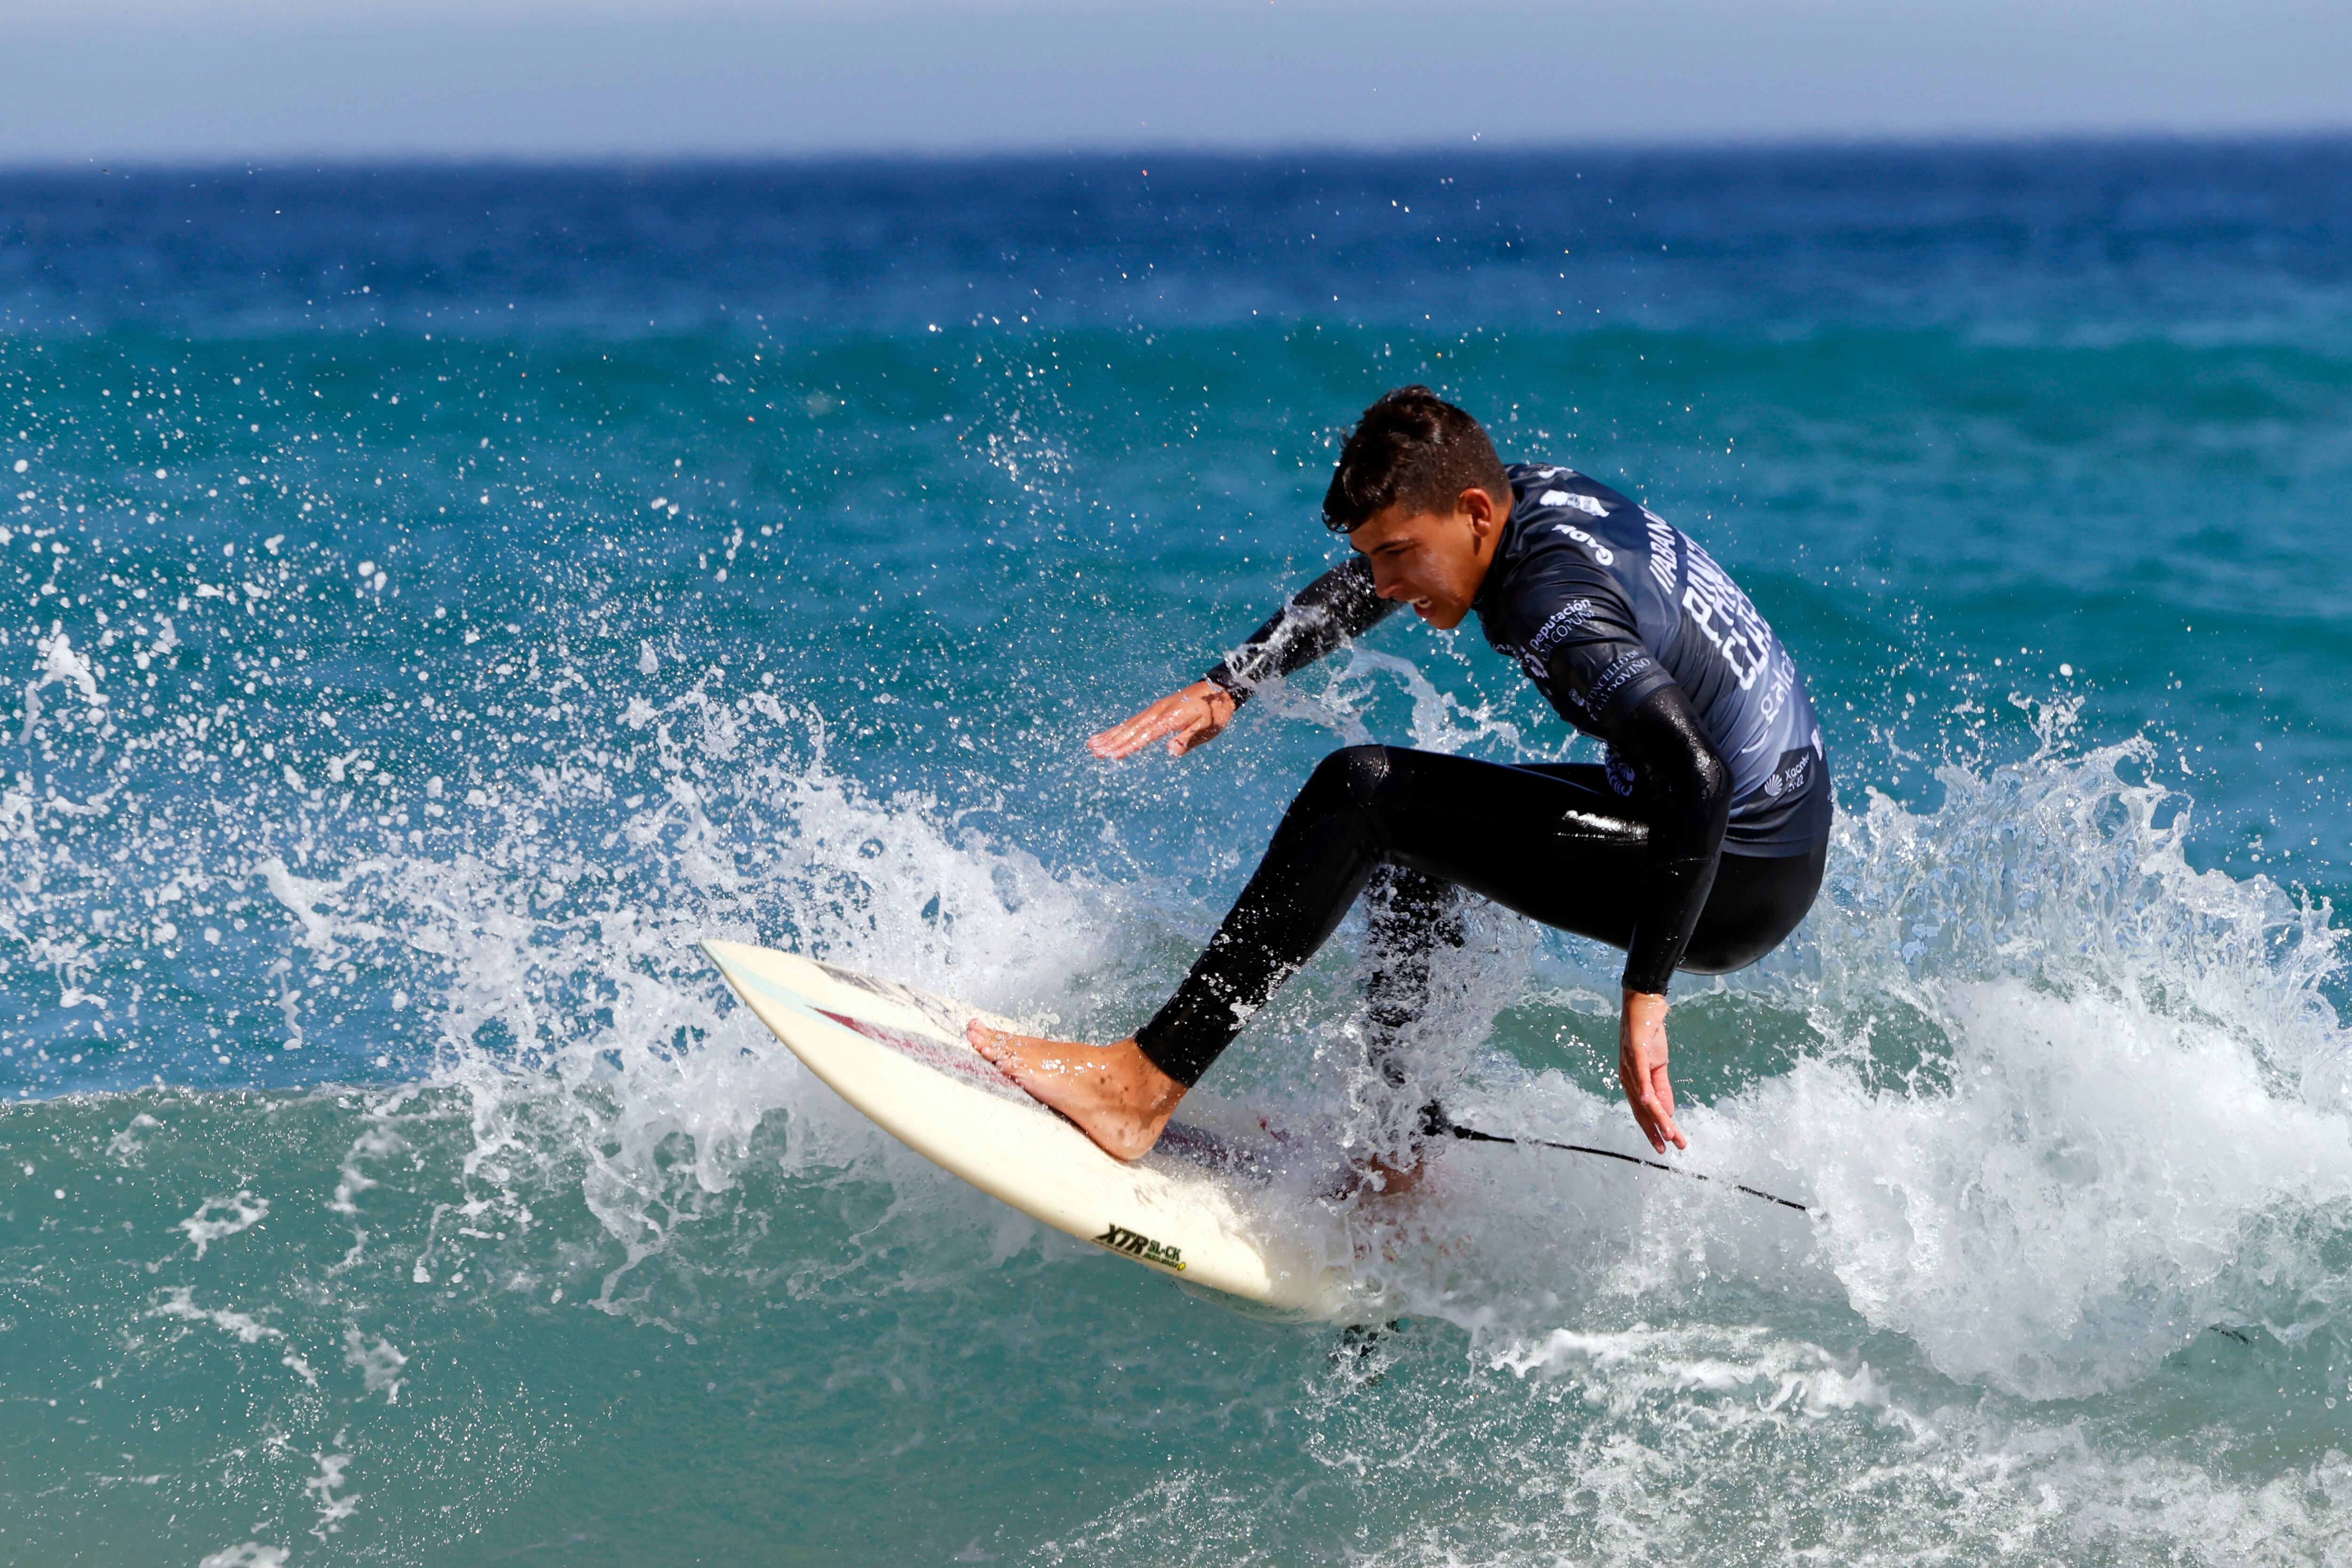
1414	447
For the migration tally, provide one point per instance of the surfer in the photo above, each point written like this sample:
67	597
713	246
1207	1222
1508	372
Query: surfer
1697	842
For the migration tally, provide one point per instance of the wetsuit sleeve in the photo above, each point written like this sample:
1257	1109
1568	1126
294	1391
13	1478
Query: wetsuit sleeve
1327	611
1689	791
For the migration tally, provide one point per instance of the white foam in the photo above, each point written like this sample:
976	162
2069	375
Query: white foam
2063	1104
541	992
246	1555
323	1487
378	1362
180	1302
216	1218
2099	1184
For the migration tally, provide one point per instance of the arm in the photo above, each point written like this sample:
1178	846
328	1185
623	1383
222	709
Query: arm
1327	611
1690	793
1335	606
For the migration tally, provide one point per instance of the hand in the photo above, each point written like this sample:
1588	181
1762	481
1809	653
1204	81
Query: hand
1642	1069
1191	717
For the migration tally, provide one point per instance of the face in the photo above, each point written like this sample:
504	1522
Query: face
1434	561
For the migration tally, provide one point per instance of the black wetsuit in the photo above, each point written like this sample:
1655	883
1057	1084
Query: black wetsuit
1697	843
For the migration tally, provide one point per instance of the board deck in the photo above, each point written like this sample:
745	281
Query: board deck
898	1055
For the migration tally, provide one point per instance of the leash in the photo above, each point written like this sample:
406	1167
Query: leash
1472	1136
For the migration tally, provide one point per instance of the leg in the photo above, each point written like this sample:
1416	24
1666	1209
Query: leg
1755	902
1546	843
1410	918
1555	844
1552	847
1410	915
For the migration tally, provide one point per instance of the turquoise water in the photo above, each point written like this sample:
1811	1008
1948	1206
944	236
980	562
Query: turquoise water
433	599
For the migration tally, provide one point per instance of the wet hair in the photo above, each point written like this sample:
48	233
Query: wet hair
1413	448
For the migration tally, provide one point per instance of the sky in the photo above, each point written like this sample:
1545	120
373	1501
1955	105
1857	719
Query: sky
86	81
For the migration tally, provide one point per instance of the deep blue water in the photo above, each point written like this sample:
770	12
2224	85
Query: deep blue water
432	598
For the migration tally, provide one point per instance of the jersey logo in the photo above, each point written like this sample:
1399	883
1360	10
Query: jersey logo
1789	779
1601	552
1619	772
1563	621
1614	680
1119	1239
1586	504
1662	553
1727	619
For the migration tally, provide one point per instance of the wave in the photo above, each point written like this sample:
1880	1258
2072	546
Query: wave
2061	1101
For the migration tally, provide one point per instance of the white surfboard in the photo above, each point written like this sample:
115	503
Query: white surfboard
899	1056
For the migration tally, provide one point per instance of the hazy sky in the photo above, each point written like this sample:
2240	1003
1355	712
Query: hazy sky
179	79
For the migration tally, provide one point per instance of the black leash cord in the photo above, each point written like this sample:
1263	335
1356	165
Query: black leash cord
1472	1136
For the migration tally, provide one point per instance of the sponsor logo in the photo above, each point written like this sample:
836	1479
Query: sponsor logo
1612	680
1663	549
1601	552
1590	506
1119	1239
1789	779
1619	772
1721	612
1563	622
1530	661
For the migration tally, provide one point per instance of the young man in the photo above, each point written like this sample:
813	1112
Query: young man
1697	843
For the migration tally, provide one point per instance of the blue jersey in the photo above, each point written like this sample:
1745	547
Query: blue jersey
1603	602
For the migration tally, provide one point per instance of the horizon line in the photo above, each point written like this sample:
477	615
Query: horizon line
1197	152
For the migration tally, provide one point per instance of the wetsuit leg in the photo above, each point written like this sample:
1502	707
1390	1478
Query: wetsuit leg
1554	844
1408	915
1755	901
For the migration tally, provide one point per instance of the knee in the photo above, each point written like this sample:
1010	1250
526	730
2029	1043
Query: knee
1348	777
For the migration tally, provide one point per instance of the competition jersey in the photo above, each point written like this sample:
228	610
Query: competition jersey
1603	602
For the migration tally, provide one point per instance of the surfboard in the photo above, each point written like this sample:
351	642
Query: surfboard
1201	1208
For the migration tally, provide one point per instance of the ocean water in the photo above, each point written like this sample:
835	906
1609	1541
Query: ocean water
432	598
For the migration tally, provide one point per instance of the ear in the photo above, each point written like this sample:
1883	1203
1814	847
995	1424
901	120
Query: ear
1484	513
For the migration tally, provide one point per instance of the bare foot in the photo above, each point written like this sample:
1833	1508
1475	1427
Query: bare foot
1374	1176
1114	1092
1392	1181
